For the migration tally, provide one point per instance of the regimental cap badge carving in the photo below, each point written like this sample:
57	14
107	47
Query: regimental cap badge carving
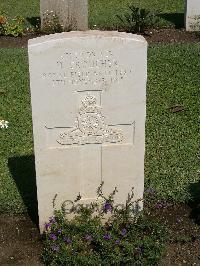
90	127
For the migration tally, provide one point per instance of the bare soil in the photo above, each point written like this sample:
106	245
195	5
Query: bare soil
152	36
172	36
184	233
21	242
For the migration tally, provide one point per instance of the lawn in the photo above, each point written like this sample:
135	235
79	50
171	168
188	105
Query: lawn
17	140
102	13
172	147
172	139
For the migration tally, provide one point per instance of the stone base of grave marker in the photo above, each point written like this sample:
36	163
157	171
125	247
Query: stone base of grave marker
71	14
192	15
88	94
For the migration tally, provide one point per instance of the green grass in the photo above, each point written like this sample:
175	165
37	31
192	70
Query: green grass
25	8
172	158
17	140
172	142
102	13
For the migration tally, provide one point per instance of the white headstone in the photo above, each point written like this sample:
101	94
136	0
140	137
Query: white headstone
72	14
88	93
192	15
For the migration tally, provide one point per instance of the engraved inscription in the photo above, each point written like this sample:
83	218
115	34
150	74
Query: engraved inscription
93	68
90	127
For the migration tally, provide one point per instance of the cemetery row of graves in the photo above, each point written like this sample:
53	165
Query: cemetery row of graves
25	18
88	128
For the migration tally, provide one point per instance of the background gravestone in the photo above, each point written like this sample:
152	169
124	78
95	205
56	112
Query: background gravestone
192	15
88	92
72	14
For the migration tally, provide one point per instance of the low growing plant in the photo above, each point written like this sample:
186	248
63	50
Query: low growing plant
183	239
12	27
103	234
2	24
52	24
137	19
195	25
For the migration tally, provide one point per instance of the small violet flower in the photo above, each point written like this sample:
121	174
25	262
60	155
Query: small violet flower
117	242
55	248
107	207
53	237
107	236
52	220
178	220
124	231
159	205
59	231
150	191
88	237
67	240
139	250
47	226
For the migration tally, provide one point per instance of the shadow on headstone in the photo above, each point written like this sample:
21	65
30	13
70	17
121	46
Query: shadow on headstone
195	202
176	18
23	172
34	21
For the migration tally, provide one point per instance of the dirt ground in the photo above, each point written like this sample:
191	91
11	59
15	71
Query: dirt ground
152	36
184	232
20	242
172	36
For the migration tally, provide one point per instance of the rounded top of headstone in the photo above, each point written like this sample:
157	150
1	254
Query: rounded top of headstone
85	34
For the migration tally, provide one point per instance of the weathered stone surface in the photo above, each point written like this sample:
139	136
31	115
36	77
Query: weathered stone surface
72	14
192	15
88	92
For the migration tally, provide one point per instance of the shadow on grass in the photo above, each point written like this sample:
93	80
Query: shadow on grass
23	172
176	18
34	21
195	202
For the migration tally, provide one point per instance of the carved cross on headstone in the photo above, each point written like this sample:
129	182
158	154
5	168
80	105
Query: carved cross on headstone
90	133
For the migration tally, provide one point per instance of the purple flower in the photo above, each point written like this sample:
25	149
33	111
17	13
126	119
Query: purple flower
47	225
159	205
150	191
107	207
55	248
117	242
124	231
67	240
178	220
53	237
88	237
107	236
52	219
139	250
59	231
